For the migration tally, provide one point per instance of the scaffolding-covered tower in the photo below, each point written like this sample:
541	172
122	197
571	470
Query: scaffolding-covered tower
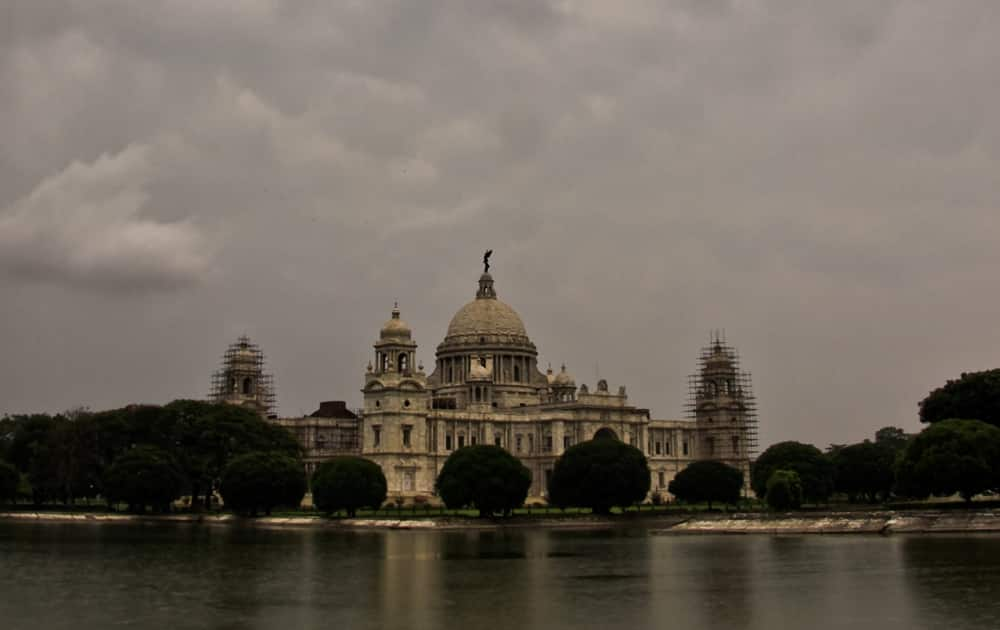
721	401
241	379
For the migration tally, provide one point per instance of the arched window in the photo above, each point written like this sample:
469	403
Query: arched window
385	363
403	362
247	386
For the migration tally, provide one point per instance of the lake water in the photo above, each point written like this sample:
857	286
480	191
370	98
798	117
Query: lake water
187	576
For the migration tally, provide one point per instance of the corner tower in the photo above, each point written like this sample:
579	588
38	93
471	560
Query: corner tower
241	379
722	404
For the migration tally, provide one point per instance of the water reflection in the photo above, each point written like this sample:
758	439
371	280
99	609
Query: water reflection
84	577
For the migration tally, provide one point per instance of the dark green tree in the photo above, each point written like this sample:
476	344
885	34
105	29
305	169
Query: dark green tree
707	482
487	478
599	474
892	438
865	471
9	480
784	490
974	395
144	476
262	481
348	483
814	470
951	456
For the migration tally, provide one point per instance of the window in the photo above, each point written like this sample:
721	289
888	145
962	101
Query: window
247	386
567	442
406	436
447	442
658	451
517	443
408	484
531	443
517	373
406	403
685	448
451	374
403	362
666	448
547	444
376	436
497	440
659	476
472	440
461	440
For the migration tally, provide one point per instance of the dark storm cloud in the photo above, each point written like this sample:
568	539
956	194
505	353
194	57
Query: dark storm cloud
819	178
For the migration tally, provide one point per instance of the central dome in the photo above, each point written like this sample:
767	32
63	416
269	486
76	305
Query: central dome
486	319
486	316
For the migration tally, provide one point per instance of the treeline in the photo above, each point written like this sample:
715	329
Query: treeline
141	455
957	454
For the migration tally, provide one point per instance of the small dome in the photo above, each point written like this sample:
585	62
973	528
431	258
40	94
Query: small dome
563	379
395	328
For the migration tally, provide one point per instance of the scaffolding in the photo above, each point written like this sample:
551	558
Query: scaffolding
241	379
721	401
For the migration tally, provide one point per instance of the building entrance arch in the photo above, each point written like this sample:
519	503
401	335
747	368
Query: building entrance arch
605	433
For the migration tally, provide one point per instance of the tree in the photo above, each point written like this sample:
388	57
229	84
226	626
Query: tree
145	475
599	474
892	438
707	481
784	490
974	395
865	470
9	480
815	471
951	456
348	483
487	478
262	481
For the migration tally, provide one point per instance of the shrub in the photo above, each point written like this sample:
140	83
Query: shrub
707	481
951	456
815	471
348	483
784	490
599	474
262	481
144	475
487	478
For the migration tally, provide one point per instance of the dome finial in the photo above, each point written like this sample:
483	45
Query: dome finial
395	310
486	260
486	291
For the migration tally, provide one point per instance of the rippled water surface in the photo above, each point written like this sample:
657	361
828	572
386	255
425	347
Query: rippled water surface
185	576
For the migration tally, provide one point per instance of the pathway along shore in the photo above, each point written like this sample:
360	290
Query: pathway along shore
887	522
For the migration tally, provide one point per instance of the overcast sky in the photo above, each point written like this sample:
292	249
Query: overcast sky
820	179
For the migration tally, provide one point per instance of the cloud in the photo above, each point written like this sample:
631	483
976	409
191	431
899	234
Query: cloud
84	227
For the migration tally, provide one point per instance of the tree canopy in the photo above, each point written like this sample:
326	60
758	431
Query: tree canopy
974	395
708	482
951	456
262	481
600	474
487	478
348	483
144	476
9	480
66	456
865	470
784	490
815	471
